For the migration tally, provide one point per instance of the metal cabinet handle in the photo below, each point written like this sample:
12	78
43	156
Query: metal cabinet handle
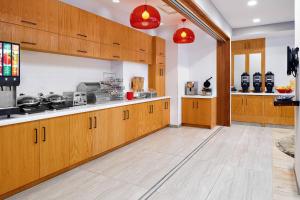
124	115
142	50
116	43
36	136
44	133
81	51
116	56
82	35
29	22
91	123
162	72
30	43
128	114
95	125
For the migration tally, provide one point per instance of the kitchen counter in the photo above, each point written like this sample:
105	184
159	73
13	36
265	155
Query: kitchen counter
262	94
198	97
15	119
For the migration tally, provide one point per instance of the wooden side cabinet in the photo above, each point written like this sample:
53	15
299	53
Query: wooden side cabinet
166	112
199	112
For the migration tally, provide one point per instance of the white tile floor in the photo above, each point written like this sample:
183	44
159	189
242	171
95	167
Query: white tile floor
234	164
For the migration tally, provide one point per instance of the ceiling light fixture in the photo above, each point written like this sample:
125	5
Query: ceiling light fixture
252	3
184	35
116	1
256	20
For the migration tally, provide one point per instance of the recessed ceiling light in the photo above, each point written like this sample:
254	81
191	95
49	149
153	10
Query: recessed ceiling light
116	1
252	3
256	20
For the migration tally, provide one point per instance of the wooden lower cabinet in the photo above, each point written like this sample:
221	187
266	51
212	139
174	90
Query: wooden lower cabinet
54	143
199	112
81	128
260	109
31	151
19	155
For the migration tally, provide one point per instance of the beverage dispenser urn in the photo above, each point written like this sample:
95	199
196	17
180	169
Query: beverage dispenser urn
245	81
257	83
269	82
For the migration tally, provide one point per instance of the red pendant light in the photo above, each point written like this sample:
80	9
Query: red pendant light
184	35
145	17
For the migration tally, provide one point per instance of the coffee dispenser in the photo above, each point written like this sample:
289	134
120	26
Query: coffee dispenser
269	82
245	81
257	83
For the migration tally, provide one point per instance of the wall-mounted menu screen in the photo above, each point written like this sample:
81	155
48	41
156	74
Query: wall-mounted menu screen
9	64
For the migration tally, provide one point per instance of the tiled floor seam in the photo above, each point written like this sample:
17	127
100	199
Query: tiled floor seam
177	167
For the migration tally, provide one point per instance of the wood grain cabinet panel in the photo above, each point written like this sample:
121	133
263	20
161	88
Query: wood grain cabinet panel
81	127
6	32
36	40
19	155
272	114
166	112
237	108
114	34
111	52
54	145
254	108
9	11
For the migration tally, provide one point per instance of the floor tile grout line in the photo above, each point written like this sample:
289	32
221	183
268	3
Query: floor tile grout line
166	177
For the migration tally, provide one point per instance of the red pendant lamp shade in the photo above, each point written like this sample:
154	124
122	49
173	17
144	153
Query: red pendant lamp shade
145	17
184	35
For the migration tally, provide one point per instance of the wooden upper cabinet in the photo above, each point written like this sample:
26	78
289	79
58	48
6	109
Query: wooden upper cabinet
77	23
159	46
19	155
38	14
114	34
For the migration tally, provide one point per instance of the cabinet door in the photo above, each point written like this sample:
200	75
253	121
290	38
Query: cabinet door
254	107
237	106
166	112
272	114
54	145
188	111
114	34
68	20
9	11
111	52
160	45
162	81
157	112
81	129
36	40
6	32
203	114
19	155
118	117
87	26
288	115
130	126
144	112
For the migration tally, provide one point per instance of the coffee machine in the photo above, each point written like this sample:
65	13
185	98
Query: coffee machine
191	88
245	82
269	82
257	82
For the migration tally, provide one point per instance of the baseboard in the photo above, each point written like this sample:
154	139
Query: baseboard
174	126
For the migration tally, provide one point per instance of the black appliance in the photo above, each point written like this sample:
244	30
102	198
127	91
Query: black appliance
269	82
30	105
206	90
245	81
257	82
54	101
9	64
292	61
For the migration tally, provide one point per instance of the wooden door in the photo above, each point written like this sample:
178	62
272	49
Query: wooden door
189	112
166	112
237	107
288	115
68	20
130	126
10	11
118	117
111	52
81	129
272	114
254	107
19	155
87	26
160	45
54	145
36	40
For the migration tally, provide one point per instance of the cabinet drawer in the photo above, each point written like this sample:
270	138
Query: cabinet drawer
77	47
112	52
33	39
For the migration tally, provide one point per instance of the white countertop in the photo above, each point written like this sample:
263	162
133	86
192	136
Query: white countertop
198	97
15	119
262	94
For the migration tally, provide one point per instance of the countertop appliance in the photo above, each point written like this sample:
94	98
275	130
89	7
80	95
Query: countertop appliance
269	82
75	98
8	104
9	64
191	88
245	82
53	101
206	90
257	82
30	104
93	92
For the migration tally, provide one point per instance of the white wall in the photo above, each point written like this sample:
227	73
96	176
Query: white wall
44	72
297	43
276	57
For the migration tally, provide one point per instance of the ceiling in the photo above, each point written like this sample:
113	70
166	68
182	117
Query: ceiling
122	10
239	14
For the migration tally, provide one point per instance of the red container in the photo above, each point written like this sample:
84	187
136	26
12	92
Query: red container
129	95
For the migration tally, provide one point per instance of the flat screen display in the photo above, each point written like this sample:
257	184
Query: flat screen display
9	64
